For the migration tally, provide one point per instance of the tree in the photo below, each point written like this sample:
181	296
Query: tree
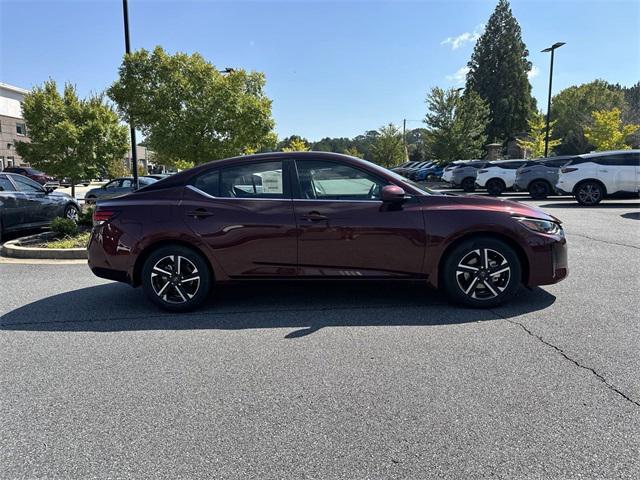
71	138
388	149
535	143
353	152
188	111
498	73
296	145
572	107
456	124
607	132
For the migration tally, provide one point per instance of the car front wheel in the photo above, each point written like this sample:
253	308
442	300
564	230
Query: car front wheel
482	272
176	278
589	193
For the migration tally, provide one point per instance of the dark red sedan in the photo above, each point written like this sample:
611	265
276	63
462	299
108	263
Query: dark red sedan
315	215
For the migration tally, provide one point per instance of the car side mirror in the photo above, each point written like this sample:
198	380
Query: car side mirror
393	194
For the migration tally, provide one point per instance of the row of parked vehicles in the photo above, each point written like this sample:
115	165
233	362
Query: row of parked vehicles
590	178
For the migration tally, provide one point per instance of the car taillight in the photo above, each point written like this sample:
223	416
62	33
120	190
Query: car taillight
484	170
101	216
568	169
524	170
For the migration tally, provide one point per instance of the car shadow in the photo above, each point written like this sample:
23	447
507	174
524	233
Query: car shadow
305	307
605	204
631	215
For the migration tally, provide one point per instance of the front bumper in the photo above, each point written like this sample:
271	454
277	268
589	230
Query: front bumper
548	262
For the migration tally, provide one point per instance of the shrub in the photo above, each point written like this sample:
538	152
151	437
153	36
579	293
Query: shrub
64	226
85	218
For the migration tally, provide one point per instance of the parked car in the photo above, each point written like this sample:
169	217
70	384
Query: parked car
158	176
464	176
498	176
318	215
116	187
432	172
402	166
592	177
66	182
412	174
446	174
539	177
25	204
36	175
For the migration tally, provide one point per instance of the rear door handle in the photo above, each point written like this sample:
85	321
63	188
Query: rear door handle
314	217
199	213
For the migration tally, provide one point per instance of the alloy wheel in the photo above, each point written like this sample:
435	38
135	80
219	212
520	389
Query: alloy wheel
483	274
72	213
589	194
175	279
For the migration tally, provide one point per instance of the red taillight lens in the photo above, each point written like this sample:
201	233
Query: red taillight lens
568	169
101	216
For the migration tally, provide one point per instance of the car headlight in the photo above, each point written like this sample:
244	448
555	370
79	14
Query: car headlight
541	226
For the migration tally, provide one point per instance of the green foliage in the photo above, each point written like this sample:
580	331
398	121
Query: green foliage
418	147
498	73
571	109
607	132
188	111
64	226
388	149
456	124
353	152
70	137
534	144
85	217
294	143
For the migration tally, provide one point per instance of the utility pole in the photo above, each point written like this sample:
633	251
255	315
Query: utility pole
551	49
404	139
134	147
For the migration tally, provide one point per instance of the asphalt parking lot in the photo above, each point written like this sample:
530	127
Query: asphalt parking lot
349	381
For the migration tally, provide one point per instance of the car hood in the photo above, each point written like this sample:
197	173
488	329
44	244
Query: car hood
475	202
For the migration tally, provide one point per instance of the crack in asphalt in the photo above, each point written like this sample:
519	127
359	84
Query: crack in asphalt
611	387
603	241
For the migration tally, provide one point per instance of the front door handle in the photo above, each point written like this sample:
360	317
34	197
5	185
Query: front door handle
199	213
314	217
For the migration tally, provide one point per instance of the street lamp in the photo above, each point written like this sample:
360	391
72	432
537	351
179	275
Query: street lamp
134	150
551	49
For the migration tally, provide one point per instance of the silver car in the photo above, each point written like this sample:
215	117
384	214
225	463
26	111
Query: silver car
465	175
115	188
539	177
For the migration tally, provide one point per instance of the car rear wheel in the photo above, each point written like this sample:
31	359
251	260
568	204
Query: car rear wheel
468	184
71	212
589	193
495	187
176	278
482	272
539	190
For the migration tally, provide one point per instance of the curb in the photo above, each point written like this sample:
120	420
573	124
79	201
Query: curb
12	249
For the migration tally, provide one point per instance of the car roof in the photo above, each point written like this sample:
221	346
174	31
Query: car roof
605	153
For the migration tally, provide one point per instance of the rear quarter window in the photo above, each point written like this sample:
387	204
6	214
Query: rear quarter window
208	182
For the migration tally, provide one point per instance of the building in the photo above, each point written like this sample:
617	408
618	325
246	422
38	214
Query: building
12	126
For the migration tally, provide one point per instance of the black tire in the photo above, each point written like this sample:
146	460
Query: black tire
483	289
71	212
539	189
468	184
168	292
495	187
86	184
589	193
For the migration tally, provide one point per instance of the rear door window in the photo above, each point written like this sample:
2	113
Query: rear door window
6	185
256	180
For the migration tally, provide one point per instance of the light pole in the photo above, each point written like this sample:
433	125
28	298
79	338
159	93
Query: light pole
551	49
134	149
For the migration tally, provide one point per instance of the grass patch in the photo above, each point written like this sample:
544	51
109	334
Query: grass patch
78	240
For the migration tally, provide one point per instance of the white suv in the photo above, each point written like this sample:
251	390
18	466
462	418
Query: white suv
593	176
498	176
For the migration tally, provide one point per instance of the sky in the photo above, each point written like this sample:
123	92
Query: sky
333	69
